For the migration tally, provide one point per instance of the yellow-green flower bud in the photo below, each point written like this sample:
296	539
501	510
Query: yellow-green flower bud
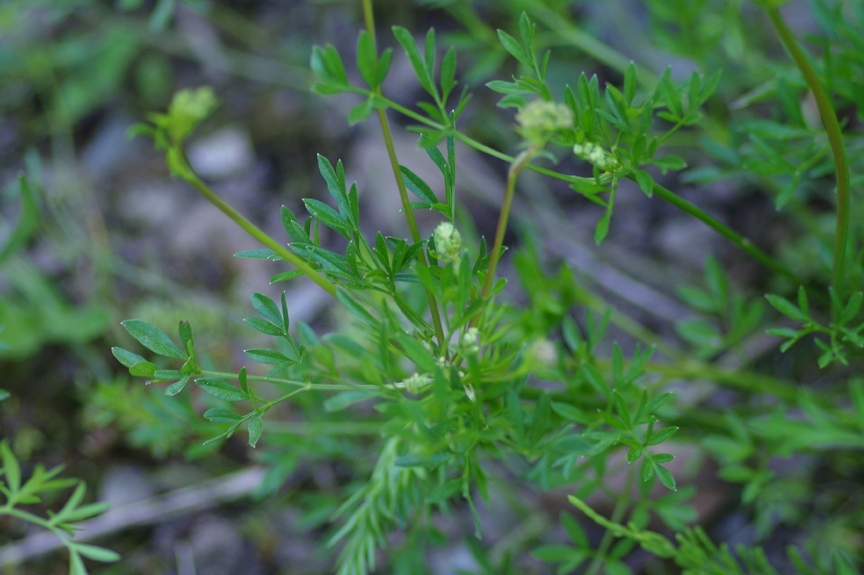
448	243
542	354
471	341
539	119
596	155
416	383
469	393
188	109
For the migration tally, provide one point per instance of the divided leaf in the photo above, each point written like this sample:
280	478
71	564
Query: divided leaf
256	428
514	48
786	307
418	187
367	59
152	338
327	65
420	68
221	389
267	308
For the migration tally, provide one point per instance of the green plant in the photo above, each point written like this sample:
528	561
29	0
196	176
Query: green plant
32	310
44	483
465	384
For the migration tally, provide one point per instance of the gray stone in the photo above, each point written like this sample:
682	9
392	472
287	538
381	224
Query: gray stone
226	153
125	484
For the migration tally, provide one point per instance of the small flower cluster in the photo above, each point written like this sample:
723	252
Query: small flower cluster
471	341
416	383
543	353
596	155
539	119
448	243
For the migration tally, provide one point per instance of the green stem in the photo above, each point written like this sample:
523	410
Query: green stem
266	406
516	168
397	175
835	139
294	382
664	194
9	509
748	381
36	520
306	428
680	203
616	517
369	19
744	380
192	178
725	231
400	184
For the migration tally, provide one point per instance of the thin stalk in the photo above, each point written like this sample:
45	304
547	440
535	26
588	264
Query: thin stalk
11	511
192	178
295	383
397	175
725	231
743	243
305	428
835	139
516	168
264	407
747	381
664	194
369	18
400	184
744	380
617	515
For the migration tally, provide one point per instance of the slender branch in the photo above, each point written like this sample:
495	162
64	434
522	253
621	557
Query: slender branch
369	19
725	231
617	515
512	174
835	139
295	383
324	427
186	500
694	369
680	203
397	175
266	406
12	511
664	194
744	380
400	184
192	178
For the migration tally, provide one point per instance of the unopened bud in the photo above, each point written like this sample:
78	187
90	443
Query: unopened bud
542	353
596	155
416	383
448	243
469	393
539	119
471	341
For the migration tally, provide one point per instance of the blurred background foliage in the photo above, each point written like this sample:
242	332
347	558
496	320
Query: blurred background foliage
93	231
